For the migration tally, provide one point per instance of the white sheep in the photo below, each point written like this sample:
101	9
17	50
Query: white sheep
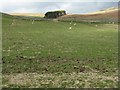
71	22
33	22
70	28
75	24
13	22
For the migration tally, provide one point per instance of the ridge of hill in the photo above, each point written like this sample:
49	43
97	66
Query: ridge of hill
28	14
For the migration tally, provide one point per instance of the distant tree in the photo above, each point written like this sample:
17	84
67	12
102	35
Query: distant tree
55	14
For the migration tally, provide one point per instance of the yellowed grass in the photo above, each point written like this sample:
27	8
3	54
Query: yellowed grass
68	80
105	11
28	14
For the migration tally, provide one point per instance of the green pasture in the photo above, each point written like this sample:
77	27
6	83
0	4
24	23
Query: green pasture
51	47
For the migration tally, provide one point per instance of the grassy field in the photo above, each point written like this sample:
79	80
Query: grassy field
49	54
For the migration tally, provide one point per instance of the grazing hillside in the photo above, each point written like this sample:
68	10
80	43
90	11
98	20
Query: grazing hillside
107	15
50	54
20	16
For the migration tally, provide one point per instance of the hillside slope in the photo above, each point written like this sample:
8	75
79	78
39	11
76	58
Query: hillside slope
28	14
108	15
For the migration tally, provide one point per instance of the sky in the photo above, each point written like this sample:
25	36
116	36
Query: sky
44	6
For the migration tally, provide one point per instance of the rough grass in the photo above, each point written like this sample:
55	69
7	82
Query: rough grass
61	80
51	48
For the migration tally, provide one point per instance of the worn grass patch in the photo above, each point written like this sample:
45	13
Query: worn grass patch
55	80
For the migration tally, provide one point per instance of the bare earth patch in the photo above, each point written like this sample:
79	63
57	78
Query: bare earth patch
67	80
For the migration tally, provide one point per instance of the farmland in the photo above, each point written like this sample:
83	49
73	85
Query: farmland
52	55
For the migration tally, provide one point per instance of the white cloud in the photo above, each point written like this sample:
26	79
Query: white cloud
42	7
16	7
24	10
66	6
59	1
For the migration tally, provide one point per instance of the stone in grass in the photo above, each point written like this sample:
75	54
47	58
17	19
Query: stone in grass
82	69
58	57
21	57
3	61
76	67
45	69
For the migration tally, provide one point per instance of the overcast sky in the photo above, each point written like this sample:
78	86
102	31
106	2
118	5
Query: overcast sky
42	7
